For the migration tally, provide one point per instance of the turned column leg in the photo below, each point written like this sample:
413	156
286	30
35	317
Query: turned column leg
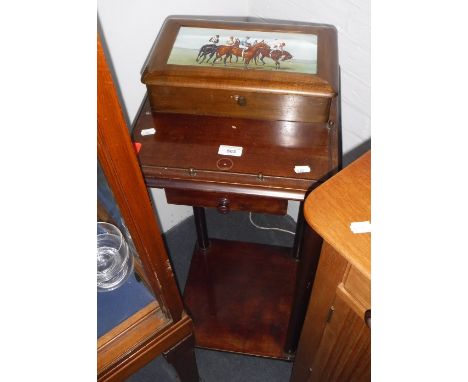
200	226
182	358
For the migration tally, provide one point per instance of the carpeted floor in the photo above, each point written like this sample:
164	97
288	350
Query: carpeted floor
217	366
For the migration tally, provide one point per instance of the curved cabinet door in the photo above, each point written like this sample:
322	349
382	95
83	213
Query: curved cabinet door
344	351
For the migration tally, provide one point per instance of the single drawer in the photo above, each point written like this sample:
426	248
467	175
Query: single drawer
358	287
226	202
239	104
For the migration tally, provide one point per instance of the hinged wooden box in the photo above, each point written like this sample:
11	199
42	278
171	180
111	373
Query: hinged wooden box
252	70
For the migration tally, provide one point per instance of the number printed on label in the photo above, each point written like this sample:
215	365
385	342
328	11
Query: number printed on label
234	151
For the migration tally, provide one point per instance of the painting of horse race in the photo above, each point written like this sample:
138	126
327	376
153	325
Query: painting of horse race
241	49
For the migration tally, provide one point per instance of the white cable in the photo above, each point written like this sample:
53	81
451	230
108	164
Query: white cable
269	228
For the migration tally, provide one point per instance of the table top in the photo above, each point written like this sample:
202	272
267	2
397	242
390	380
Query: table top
334	205
265	166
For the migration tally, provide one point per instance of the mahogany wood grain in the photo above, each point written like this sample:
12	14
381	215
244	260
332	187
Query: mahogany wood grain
240	296
271	95
294	121
271	150
178	179
220	102
231	202
343	199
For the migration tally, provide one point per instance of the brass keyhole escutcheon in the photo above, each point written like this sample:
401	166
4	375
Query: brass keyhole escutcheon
241	101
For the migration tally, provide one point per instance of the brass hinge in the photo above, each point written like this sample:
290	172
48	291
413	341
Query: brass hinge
330	313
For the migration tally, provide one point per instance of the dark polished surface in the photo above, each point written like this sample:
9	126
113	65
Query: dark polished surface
216	366
272	149
239	296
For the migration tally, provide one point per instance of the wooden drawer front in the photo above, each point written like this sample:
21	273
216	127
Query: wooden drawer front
226	202
358	286
243	104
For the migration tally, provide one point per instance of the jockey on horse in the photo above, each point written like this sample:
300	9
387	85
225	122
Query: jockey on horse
245	44
208	49
214	39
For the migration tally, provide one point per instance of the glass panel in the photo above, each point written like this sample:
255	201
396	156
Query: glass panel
117	302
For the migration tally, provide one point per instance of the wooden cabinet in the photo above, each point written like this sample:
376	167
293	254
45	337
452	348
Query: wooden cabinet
162	326
335	341
283	123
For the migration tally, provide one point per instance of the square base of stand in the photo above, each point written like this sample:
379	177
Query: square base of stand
240	295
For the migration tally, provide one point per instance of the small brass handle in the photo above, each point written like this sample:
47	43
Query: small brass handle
223	206
192	171
241	101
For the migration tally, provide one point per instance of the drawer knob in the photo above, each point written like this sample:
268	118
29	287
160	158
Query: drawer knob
192	172
241	101
223	206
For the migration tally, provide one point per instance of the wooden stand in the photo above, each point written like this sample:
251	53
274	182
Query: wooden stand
242	297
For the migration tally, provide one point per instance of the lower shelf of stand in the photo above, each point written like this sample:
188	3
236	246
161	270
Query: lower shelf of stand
239	296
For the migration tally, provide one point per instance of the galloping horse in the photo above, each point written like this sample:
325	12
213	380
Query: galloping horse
236	51
276	55
239	52
262	53
205	50
252	52
224	50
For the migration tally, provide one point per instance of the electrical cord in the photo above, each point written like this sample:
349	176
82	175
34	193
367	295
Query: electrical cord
269	228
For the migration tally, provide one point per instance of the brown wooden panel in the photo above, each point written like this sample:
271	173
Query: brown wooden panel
239	296
344	352
141	353
358	286
271	150
330	272
129	335
226	202
352	302
219	102
325	83
341	200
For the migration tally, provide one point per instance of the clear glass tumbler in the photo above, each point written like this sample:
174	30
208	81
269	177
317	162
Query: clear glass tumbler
114	259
